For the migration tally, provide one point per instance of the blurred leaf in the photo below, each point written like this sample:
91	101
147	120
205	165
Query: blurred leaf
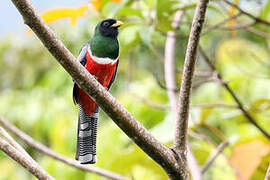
247	157
127	11
265	11
262	168
97	4
205	112
260	105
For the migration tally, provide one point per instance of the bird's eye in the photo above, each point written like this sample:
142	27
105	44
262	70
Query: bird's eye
106	24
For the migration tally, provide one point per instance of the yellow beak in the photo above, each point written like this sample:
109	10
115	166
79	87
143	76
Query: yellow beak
117	24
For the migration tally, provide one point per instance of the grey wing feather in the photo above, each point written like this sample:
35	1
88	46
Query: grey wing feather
82	59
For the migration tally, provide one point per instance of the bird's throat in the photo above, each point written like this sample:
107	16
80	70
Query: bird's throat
104	47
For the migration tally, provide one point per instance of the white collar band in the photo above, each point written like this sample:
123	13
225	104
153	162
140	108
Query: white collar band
101	60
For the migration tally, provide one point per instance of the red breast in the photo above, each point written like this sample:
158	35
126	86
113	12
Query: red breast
103	73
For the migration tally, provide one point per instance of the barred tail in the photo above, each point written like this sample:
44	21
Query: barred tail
87	137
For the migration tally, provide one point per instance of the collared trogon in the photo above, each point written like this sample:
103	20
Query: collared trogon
100	56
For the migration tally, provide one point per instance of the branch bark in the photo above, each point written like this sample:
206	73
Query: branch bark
45	150
169	73
212	158
232	93
180	142
258	20
158	152
267	175
23	160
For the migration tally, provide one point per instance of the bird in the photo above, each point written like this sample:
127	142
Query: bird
100	56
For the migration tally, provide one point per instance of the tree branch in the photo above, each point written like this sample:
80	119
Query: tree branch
169	61
23	160
258	20
180	142
232	93
158	152
19	148
267	175
213	157
208	29
169	73
45	150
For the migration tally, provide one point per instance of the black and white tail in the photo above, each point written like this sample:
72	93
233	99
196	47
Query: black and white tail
87	137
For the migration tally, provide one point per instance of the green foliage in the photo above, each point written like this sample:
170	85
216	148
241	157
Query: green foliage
35	92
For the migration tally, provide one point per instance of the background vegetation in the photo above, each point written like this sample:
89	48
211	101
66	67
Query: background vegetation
35	92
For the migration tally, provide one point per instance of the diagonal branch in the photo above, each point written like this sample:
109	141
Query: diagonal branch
213	157
180	142
43	149
232	93
258	20
42	173
146	141
23	160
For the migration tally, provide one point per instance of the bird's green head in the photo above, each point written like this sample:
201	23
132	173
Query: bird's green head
108	28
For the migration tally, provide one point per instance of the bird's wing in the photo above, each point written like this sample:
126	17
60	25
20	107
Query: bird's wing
82	59
114	75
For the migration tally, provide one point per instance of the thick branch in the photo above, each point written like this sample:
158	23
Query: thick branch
180	142
186	84
162	155
23	160
171	86
43	149
232	93
20	149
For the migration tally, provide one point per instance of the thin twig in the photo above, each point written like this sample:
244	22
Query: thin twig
213	157
180	141
258	20
43	149
151	103
128	123
169	62
209	28
232	93
217	105
237	27
24	160
167	107
258	32
267	175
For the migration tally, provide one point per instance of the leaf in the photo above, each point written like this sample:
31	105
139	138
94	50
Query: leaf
265	11
127	11
61	13
165	8
260	105
205	113
98	4
247	157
